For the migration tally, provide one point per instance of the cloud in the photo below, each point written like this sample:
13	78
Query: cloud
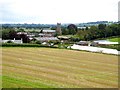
53	11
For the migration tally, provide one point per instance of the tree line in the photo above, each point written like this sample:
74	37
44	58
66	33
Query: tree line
94	32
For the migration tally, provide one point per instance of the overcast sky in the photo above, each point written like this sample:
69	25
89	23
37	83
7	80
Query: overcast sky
53	11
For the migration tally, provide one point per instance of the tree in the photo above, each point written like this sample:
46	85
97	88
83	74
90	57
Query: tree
21	30
102	29
108	31
9	33
92	33
115	29
24	38
12	34
72	29
65	31
101	26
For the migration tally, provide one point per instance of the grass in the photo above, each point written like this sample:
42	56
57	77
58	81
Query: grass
57	68
114	39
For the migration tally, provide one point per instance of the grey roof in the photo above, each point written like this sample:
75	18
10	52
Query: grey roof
49	31
47	38
41	34
105	42
64	37
83	42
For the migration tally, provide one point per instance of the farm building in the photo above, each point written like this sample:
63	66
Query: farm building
14	41
47	33
84	43
46	39
19	33
63	38
105	42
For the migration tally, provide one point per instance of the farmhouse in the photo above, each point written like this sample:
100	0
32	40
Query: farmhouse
47	35
14	41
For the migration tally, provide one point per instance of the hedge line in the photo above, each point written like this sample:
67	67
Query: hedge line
24	45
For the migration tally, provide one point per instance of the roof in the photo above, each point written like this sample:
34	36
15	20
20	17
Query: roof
63	37
47	38
83	42
96	49
22	33
41	34
105	42
52	31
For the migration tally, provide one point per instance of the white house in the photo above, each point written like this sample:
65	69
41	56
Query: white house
14	41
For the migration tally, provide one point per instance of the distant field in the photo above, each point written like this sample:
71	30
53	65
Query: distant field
116	39
57	68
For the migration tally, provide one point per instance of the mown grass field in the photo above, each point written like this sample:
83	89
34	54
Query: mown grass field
57	68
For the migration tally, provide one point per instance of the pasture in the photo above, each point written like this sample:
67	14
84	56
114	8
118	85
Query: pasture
114	39
57	68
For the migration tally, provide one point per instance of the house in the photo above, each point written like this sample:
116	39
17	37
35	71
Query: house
83	28
14	41
47	35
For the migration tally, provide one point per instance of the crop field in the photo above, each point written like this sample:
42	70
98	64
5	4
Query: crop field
57	68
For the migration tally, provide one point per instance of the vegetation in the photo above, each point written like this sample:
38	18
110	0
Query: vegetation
10	33
57	68
114	39
94	32
25	45
117	46
102	31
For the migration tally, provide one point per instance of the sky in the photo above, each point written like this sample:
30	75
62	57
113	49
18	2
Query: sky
62	11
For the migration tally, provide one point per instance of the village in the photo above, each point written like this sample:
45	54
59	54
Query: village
49	37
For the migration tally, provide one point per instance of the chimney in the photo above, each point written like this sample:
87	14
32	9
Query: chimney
21	41
14	39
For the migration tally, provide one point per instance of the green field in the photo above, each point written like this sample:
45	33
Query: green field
57	68
114	39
